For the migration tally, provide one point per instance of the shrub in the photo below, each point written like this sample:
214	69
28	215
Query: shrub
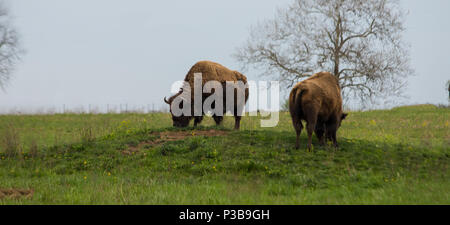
10	142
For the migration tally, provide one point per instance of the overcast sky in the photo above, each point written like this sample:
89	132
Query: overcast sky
130	52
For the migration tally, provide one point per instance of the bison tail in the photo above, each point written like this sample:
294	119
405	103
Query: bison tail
295	102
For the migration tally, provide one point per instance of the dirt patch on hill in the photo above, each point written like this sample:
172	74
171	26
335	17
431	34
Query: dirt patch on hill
16	193
174	136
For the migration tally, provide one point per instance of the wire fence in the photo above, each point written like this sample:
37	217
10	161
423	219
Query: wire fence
84	109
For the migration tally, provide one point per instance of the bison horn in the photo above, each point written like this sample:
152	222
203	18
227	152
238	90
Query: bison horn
165	100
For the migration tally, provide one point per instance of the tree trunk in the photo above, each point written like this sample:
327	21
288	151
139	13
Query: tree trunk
337	46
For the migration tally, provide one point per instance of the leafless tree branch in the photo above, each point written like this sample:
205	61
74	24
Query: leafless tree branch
359	41
9	46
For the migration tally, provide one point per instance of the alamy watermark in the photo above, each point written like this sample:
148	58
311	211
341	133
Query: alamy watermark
228	99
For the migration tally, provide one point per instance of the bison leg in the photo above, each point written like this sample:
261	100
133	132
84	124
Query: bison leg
333	137
298	126
331	133
237	122
218	120
311	120
310	128
197	120
320	130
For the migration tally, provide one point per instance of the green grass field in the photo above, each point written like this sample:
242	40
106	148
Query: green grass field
398	156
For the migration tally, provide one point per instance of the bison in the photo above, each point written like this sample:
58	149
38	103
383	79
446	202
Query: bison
210	71
318	101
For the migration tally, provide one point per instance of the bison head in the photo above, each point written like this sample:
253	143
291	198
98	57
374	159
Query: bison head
178	121
343	116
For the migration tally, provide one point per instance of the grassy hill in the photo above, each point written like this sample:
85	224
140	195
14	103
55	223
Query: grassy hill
398	156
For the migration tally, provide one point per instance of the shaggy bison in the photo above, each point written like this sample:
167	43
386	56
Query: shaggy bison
318	101
210	71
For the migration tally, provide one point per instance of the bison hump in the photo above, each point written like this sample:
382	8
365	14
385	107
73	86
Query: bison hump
213	71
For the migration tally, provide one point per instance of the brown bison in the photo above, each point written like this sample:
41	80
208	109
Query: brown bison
210	71
318	101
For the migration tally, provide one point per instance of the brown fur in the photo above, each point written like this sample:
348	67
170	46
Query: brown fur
213	71
318	101
210	71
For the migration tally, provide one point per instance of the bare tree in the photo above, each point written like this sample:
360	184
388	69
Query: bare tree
447	86
9	45
359	41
